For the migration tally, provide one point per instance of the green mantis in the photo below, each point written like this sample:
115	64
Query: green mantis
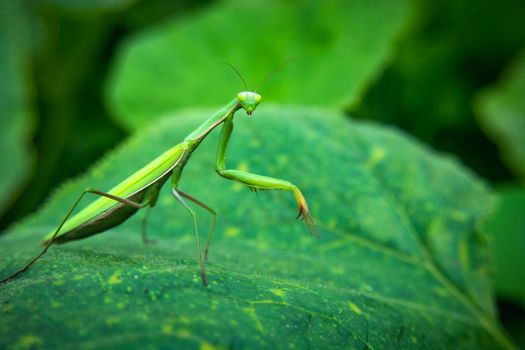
141	189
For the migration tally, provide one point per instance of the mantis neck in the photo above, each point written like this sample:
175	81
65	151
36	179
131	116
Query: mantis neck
216	119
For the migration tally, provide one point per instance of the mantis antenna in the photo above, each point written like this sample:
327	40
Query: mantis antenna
278	68
238	74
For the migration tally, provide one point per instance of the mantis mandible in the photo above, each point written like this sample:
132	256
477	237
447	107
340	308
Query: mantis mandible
141	189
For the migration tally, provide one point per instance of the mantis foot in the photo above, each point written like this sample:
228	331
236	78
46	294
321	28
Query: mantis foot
304	213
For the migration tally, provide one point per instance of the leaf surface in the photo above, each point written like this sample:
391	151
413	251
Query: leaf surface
399	263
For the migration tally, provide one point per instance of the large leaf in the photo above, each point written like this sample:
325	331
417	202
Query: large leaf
502	114
398	263
341	47
15	94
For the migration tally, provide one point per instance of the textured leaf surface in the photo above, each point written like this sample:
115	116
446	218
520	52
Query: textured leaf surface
502	112
15	93
341	48
398	264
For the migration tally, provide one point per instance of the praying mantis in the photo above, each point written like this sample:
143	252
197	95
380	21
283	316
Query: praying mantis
141	189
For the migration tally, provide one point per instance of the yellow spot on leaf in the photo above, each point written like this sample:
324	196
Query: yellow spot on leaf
355	308
279	292
282	159
338	270
251	312
331	224
184	320
441	292
206	346
167	329
28	341
459	215
110	321
183	333
115	278
243	166
261	245
97	174
232	231
377	155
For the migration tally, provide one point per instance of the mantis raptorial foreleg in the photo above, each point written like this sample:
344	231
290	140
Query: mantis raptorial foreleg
48	243
255	181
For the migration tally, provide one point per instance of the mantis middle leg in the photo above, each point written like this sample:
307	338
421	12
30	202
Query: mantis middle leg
180	195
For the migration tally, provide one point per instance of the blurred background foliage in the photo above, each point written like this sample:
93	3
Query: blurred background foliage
450	73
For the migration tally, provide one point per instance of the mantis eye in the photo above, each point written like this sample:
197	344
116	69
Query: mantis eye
241	96
258	98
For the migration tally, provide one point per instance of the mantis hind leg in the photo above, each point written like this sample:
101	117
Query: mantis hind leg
212	223
70	211
176	193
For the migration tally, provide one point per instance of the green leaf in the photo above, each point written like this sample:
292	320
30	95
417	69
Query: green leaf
505	230
502	114
341	48
398	262
15	93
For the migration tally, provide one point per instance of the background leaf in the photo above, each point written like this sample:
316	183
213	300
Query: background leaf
399	262
442	60
15	99
501	111
341	48
502	115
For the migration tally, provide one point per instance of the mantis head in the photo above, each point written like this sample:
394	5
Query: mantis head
249	101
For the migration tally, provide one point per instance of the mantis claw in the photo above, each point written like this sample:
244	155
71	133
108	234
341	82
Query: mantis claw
304	213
